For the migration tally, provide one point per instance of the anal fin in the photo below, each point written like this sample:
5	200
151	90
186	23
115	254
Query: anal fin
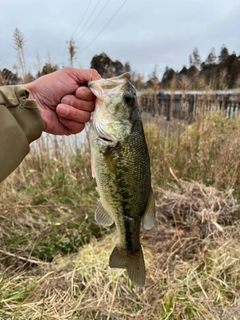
92	167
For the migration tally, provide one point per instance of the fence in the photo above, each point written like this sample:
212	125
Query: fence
186	106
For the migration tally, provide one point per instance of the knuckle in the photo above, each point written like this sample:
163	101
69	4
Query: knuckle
94	74
76	114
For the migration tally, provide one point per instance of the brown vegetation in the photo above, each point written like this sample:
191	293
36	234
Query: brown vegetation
53	266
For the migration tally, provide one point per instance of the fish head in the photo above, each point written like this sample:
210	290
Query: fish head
116	102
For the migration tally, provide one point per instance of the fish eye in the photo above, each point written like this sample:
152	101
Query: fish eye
128	97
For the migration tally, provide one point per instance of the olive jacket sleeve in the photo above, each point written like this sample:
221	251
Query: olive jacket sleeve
20	124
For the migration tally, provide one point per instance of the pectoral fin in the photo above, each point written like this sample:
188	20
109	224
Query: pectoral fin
102	217
92	167
148	218
109	161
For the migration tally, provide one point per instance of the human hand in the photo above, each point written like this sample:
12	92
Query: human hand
65	106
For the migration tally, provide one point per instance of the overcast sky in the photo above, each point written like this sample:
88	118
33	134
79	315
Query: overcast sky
147	33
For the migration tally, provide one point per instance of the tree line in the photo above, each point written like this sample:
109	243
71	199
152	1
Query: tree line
216	72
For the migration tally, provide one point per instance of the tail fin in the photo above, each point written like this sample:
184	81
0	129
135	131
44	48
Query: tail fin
134	264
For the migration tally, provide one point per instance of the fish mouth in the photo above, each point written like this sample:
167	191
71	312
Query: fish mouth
105	139
106	87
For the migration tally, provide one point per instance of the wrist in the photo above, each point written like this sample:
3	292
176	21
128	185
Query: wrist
29	87
31	96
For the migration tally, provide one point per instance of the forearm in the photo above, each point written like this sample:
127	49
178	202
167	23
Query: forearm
20	124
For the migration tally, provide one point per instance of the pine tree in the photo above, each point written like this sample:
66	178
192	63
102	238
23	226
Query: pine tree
211	58
223	54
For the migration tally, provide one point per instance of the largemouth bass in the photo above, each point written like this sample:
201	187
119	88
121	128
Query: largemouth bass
121	166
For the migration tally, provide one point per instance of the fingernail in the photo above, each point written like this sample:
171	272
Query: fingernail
63	110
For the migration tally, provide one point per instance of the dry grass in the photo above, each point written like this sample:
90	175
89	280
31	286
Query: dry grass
47	204
191	216
207	151
192	258
52	266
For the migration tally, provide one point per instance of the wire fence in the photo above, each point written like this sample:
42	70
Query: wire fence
186	106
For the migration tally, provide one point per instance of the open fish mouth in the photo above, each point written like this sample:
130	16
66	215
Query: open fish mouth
104	120
106	87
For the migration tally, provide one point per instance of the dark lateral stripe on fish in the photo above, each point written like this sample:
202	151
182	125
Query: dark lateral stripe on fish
128	235
125	208
132	234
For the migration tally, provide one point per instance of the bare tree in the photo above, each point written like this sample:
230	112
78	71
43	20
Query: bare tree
38	64
190	60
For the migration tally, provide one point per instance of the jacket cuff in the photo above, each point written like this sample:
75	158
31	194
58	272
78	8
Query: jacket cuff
25	111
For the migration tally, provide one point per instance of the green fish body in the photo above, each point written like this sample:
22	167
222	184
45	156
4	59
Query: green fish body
121	166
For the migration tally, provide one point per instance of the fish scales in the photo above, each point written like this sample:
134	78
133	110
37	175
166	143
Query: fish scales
122	192
121	166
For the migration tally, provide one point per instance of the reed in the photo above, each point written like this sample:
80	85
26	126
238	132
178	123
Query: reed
208	150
